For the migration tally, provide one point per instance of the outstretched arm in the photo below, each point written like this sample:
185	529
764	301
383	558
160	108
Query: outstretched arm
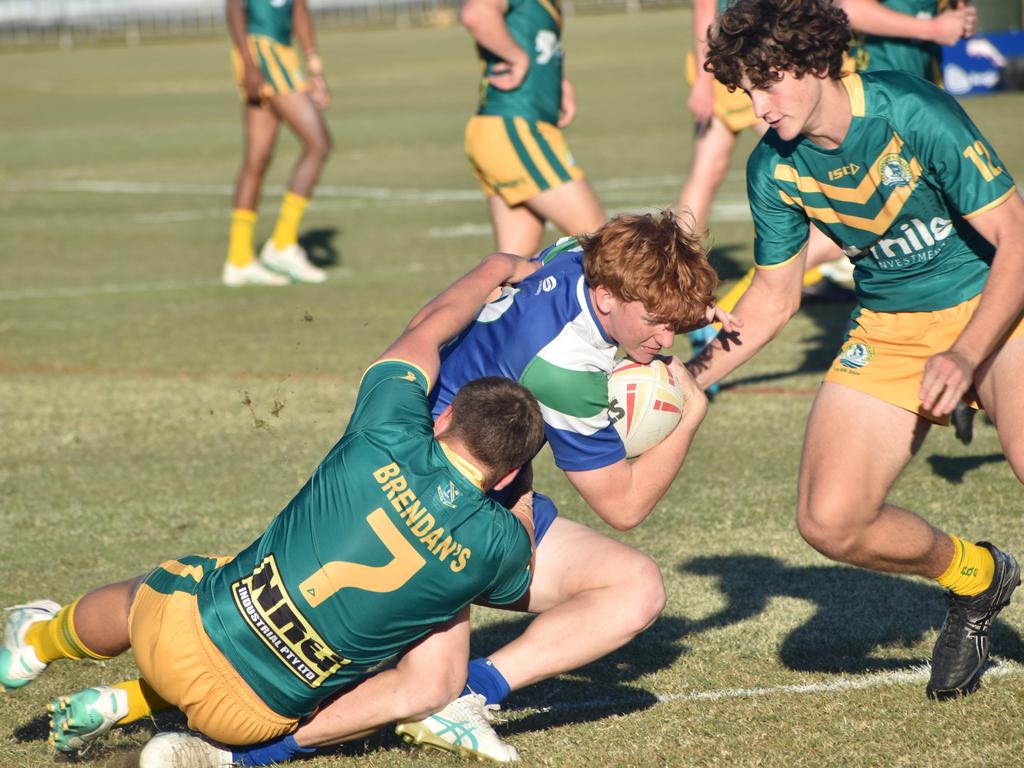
623	494
453	309
770	301
872	18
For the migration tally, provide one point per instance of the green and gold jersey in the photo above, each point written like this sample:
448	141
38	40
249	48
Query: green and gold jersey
897	195
536	26
873	53
390	537
270	18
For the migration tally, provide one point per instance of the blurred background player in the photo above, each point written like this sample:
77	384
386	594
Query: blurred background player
248	645
935	226
897	34
275	91
515	142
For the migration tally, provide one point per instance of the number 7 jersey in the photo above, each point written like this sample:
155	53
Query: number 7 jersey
897	195
390	537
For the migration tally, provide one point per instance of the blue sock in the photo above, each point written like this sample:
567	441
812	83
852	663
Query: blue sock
484	678
269	752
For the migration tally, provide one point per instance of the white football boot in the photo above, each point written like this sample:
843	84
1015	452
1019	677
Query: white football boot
463	727
293	262
19	664
253	273
183	750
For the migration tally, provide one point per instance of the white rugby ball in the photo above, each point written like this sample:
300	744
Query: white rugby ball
645	403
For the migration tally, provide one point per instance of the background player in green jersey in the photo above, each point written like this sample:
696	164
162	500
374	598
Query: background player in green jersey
892	170
391	538
274	91
907	35
514	142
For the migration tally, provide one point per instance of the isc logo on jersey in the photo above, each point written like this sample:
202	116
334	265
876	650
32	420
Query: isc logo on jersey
919	240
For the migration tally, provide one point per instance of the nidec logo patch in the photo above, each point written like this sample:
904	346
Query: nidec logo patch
856	355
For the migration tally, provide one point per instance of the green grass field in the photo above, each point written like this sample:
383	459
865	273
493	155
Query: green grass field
147	412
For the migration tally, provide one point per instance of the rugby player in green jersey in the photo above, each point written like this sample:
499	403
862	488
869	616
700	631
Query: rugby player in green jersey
274	91
514	142
894	34
892	170
378	555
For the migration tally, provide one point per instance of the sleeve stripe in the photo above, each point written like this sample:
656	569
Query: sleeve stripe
766	267
994	204
403	362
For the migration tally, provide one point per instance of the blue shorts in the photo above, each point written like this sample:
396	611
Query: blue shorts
544	512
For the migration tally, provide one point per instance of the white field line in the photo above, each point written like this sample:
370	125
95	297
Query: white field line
620	191
917	675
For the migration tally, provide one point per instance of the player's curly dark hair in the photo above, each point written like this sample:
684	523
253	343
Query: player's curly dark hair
764	38
653	260
499	421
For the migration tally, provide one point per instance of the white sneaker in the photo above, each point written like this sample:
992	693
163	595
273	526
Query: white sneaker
252	273
19	664
183	750
292	261
463	727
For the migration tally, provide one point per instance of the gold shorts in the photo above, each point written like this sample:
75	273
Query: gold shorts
176	656
518	158
731	107
885	353
278	63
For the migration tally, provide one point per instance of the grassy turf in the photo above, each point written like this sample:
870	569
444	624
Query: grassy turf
147	412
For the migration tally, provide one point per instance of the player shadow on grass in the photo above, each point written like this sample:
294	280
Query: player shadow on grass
598	690
729	261
119	749
858	611
319	246
953	468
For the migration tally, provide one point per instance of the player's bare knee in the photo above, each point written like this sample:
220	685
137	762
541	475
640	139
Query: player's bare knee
646	595
828	530
319	147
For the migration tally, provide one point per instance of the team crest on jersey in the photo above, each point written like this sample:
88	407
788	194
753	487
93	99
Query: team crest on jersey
895	171
856	354
447	496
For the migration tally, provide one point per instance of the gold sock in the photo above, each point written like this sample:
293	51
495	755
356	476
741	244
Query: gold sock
286	230
812	276
971	571
57	638
243	223
142	700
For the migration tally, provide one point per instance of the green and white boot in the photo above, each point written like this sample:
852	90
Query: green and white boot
80	717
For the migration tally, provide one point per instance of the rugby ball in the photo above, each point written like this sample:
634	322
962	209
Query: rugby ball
645	403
